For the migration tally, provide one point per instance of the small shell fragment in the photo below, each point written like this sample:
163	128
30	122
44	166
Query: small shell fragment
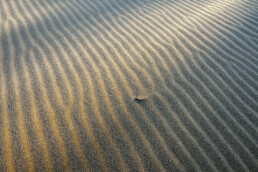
140	98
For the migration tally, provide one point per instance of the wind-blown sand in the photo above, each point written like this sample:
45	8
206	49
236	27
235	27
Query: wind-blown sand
136	85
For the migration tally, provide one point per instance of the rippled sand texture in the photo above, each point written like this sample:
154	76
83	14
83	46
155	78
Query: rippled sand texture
128	85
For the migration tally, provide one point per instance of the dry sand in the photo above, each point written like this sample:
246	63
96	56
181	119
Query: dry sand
128	85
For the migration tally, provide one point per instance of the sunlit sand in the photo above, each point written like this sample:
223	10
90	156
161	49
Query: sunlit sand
116	85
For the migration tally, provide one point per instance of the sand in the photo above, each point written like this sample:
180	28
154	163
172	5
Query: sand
116	85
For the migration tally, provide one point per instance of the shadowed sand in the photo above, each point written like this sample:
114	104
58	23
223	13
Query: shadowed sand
117	85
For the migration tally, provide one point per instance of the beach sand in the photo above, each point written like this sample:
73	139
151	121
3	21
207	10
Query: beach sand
136	85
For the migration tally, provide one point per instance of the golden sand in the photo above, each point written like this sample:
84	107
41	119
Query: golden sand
117	85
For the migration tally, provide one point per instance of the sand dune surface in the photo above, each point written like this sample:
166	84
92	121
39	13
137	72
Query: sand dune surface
128	85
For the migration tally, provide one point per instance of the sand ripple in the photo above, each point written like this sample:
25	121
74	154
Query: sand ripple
118	85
